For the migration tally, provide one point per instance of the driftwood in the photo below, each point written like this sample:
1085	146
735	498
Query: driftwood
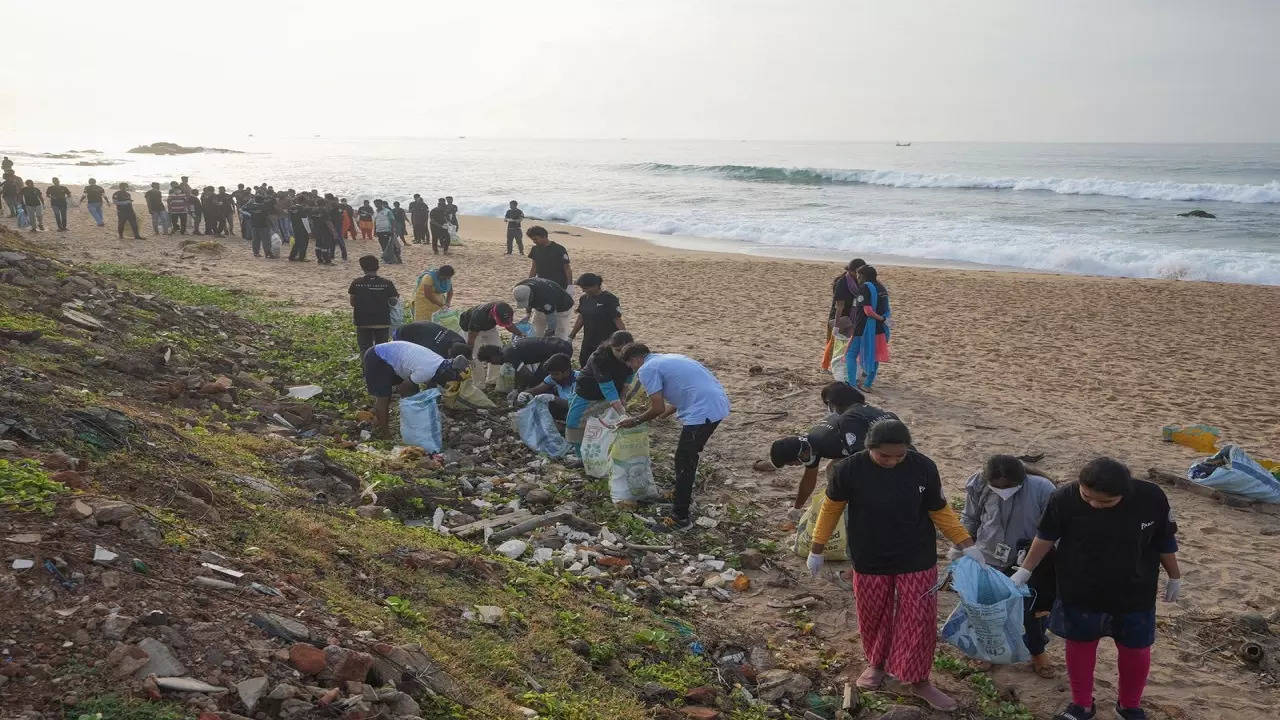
648	548
560	516
497	521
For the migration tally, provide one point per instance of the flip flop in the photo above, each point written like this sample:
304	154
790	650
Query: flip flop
870	679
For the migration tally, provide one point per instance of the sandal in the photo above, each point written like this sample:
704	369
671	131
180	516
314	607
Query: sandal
937	699
870	679
1040	666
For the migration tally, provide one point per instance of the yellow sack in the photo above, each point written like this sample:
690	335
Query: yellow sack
466	393
837	545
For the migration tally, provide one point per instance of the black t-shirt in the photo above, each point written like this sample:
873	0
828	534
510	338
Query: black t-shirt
432	336
365	212
603	366
889	528
94	193
398	214
372	295
58	194
546	295
155	201
549	261
840	293
531	351
122	199
864	297
439	215
598	314
31	196
480	318
837	436
419	210
513	218
1108	560
826	441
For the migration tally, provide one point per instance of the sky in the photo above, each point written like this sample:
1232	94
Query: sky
874	70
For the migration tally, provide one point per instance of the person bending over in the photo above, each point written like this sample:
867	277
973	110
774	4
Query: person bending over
402	366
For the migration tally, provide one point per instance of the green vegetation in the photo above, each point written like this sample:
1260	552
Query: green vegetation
23	321
112	707
989	702
681	676
24	485
177	288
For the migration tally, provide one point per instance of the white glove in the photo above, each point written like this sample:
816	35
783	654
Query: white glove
954	553
814	563
1020	576
973	552
523	398
1171	588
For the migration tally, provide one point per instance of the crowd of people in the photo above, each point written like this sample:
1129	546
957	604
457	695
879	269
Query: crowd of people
1091	550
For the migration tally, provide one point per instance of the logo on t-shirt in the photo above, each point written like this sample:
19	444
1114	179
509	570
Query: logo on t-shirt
1146	525
921	488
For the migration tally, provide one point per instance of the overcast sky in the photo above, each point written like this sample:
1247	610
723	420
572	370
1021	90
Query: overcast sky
990	70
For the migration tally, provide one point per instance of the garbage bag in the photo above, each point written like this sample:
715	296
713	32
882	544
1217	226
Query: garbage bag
837	545
525	327
276	243
1233	471
631	478
537	429
420	422
22	217
839	369
506	378
597	439
448	319
987	624
466	393
397	314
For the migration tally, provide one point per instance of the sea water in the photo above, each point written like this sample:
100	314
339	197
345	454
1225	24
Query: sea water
1077	208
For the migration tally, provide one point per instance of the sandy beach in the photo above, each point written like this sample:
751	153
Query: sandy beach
983	362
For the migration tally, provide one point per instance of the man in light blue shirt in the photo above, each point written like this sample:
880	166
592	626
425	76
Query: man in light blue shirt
684	387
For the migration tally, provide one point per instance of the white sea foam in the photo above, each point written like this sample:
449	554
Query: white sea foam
970	241
1135	189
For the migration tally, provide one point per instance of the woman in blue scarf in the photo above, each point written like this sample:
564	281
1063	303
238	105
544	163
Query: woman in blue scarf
869	343
434	293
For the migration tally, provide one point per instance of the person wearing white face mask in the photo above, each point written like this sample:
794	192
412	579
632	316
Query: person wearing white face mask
1002	510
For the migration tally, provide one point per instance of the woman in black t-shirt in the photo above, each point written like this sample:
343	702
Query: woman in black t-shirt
602	383
895	504
599	316
1113	534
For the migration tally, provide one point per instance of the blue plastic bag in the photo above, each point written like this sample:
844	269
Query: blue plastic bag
987	624
525	327
1233	471
538	430
420	420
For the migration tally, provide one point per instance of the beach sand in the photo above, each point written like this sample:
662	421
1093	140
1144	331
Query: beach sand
983	362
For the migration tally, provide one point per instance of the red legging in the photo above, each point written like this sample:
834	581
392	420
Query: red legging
1133	665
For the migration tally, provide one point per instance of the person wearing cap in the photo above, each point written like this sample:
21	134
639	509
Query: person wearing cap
548	303
401	366
481	324
599	315
838	435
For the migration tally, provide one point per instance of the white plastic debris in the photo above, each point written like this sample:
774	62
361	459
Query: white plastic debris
224	570
437	520
103	556
305	392
542	555
23	564
512	548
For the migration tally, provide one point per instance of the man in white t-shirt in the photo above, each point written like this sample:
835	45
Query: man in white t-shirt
683	387
399	365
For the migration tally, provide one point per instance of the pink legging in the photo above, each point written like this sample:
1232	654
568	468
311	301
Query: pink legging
1133	665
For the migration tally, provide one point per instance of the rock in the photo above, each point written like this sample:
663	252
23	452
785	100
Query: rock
112	512
696	712
103	556
161	660
772	685
294	707
282	691
217	386
512	548
81	510
25	538
1198	214
705	695
127	660
903	712
410	667
610	561
490	614
374	512
438	560
653	693
281	627
215	583
761	658
1254	622
83	320
403	704
543	555
185	684
751	559
308	659
115	627
155	618
346	664
195	508
539	496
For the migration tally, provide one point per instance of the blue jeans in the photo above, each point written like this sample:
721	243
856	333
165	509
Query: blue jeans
159	222
284	226
35	216
95	212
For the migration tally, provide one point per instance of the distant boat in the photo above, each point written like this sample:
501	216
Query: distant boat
903	144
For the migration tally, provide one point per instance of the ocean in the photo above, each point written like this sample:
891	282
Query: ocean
1075	208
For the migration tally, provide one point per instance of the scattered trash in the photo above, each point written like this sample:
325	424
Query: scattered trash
1233	471
23	564
103	556
1203	438
304	392
224	570
63	580
265	589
